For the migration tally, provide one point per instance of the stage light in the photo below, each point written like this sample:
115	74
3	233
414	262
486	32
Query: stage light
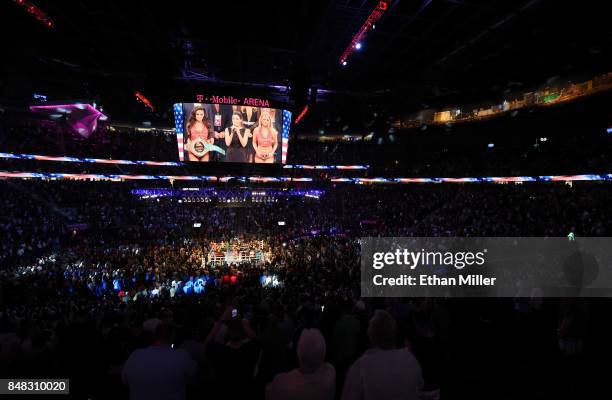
491	145
374	16
37	13
301	115
142	98
197	224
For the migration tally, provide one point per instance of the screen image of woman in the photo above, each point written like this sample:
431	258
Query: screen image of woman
236	139
250	119
265	140
199	134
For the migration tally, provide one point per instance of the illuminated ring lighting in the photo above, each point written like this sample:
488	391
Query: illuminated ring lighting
358	181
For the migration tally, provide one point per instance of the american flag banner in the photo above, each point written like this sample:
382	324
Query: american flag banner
178	123
285	141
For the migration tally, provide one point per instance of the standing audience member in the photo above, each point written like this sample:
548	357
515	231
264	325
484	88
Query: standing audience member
383	372
160	371
314	379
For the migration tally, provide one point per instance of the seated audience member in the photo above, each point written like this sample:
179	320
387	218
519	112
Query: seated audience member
383	372
159	371
314	379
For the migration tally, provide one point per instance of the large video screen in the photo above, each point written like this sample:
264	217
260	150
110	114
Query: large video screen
209	132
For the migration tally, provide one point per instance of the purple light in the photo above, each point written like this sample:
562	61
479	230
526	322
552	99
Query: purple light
82	118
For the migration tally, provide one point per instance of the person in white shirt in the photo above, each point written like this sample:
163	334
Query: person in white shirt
159	371
383	372
314	379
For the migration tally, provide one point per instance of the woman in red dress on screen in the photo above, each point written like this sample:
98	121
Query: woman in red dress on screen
198	134
265	140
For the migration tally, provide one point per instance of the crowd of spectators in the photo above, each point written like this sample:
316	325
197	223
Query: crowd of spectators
94	287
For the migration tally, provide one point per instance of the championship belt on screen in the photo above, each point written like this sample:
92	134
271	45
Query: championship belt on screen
200	147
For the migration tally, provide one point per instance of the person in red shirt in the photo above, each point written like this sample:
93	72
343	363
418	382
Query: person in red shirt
265	140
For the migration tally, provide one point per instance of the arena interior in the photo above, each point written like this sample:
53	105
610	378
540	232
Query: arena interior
188	190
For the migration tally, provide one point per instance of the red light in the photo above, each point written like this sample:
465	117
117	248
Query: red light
367	25
141	97
35	12
301	115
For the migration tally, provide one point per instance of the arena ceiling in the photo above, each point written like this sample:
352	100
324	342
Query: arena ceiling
420	48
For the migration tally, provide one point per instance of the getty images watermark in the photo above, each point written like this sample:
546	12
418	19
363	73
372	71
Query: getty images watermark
486	267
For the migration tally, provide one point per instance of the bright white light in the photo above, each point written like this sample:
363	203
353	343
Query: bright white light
197	224
281	223
491	145
344	63
358	46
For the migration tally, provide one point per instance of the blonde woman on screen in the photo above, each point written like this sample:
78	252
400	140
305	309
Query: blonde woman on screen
273	116
265	140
